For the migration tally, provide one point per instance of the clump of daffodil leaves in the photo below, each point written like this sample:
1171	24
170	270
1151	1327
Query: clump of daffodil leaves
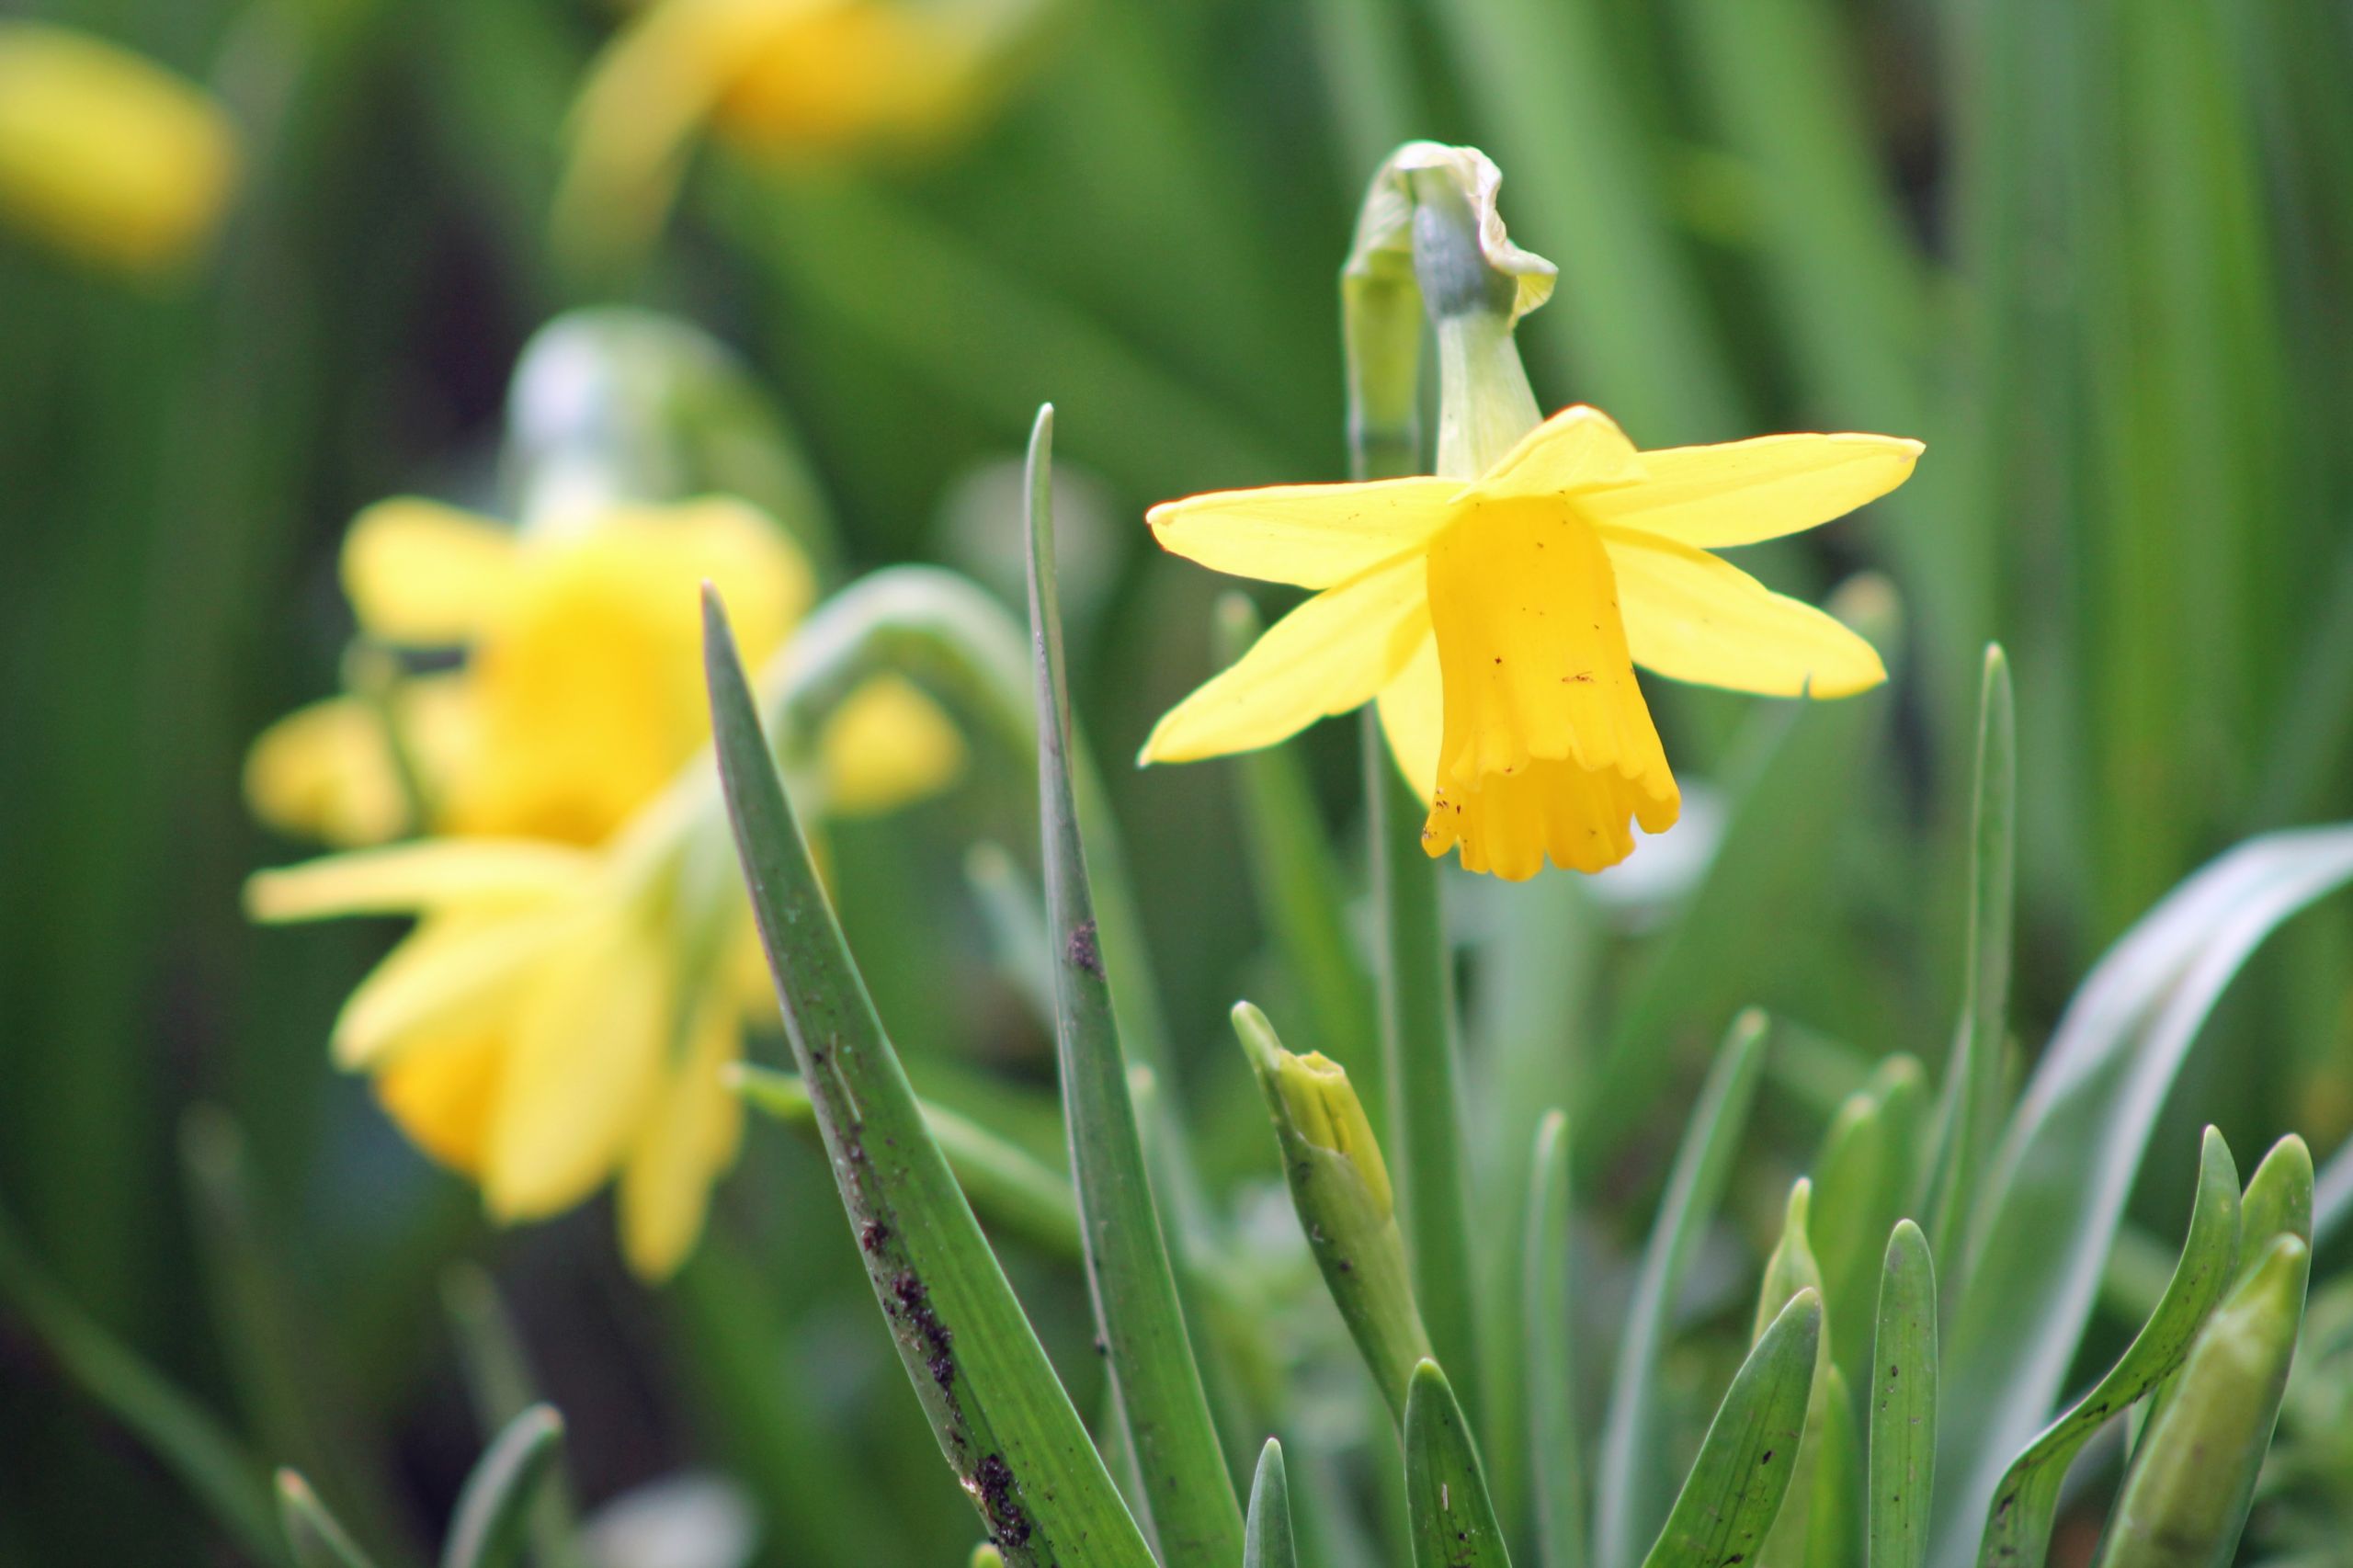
582	964
1496	610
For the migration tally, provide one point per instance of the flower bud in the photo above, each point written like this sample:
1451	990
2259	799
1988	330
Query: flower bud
1340	1185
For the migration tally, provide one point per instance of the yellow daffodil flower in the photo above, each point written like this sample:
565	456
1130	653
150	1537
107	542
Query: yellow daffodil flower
792	79
560	1016
1497	621
581	694
584	961
105	155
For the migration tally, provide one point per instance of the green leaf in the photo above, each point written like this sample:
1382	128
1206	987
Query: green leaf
1733	1494
1005	1184
1189	1495
2278	1200
1424	1086
1555	1441
1791	1270
1631	1497
2018	1526
1834	1537
1968	1116
2055	1192
315	1536
494	1517
1903	1462
500	1387
2186	1500
1003	1421
1864	1179
187	1438
1266	1538
1448	1513
1300	895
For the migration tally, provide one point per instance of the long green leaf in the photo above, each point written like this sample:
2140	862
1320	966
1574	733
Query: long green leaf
494	1517
1555	1442
1968	1116
1003	1420
1902	1463
315	1536
1631	1497
1733	1494
2193	1478
1447	1512
1864	1181
2056	1190
1004	1185
2018	1526
1423	1093
500	1387
1187	1494
1267	1539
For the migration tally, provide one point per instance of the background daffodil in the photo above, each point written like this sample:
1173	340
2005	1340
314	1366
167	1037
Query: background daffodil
1497	622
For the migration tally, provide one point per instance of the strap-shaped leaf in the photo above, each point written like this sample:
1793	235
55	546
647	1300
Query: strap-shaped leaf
1187	1492
494	1517
315	1536
1267	1539
2017	1525
1902	1463
1555	1444
1734	1492
1447	1512
1632	1494
1003	1420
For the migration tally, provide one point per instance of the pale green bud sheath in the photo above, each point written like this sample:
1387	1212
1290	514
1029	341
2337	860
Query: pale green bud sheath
1430	242
1339	1184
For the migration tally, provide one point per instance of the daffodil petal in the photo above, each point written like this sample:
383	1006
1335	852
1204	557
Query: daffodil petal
1312	535
440	1095
691	1137
410	878
1332	653
326	772
1577	817
1532	652
1692	617
587	1060
425	574
886	746
1412	716
1576	449
453	972
1714	497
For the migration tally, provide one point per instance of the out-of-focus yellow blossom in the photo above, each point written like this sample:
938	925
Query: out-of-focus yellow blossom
107	155
581	694
1497	621
558	1017
782	78
584	959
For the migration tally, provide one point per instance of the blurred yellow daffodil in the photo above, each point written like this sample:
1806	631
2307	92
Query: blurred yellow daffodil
782	78
1497	621
584	959
107	156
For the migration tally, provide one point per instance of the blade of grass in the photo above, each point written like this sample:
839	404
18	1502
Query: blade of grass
500	1387
1902	1463
2018	1526
194	1446
1555	1446
1968	1116
493	1515
1002	1418
2056	1189
1735	1491
1424	1089
1195	1517
1631	1499
1447	1512
1266	1542
315	1536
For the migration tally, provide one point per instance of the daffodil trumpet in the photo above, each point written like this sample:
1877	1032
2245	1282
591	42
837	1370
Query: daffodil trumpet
1495	611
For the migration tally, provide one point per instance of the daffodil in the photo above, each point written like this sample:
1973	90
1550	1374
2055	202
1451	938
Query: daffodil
560	1016
790	79
580	694
1497	621
584	961
106	155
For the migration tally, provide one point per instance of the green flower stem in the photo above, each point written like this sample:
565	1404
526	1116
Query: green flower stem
1195	1515
1554	1443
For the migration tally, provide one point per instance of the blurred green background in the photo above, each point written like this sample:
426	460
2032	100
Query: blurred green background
2098	255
